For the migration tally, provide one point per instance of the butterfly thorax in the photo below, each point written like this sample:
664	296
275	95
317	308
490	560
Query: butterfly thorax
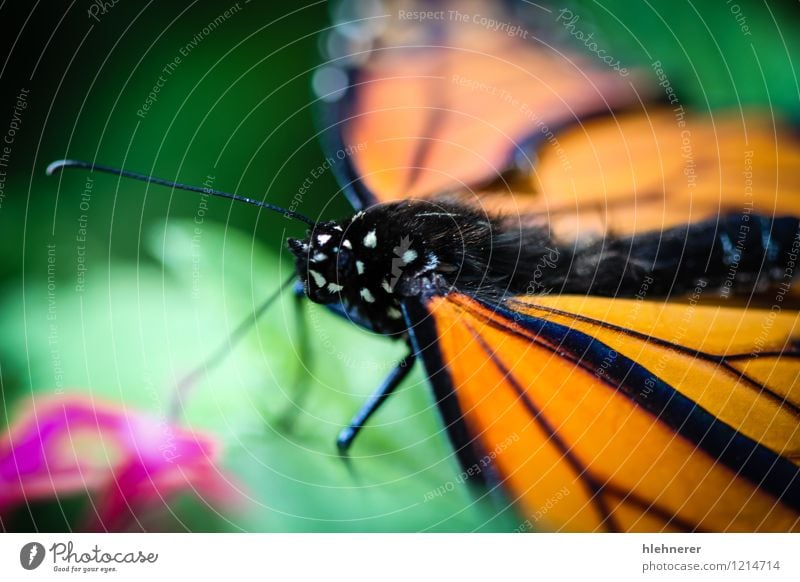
378	258
366	262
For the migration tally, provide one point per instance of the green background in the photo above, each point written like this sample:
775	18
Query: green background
239	107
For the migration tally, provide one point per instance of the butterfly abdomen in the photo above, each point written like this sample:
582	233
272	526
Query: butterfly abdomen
734	254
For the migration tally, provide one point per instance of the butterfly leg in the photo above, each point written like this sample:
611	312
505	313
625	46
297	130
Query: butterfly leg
389	384
218	356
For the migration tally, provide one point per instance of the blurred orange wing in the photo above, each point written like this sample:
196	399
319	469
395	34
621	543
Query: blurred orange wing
447	111
438	112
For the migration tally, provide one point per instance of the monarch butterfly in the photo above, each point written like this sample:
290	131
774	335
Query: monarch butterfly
598	283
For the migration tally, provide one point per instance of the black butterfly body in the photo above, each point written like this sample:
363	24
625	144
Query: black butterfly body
380	257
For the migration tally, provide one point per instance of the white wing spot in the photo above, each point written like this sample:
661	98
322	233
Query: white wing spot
319	257
371	240
360	267
386	286
337	227
346	244
367	295
409	256
318	278
323	238
334	288
394	313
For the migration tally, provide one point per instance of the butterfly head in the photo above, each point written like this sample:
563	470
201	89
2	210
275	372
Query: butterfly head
325	262
368	262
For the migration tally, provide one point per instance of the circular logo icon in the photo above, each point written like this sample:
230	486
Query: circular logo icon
31	555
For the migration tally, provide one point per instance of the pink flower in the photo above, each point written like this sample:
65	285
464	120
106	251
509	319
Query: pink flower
130	463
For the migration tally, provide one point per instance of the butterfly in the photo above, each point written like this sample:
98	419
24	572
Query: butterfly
597	282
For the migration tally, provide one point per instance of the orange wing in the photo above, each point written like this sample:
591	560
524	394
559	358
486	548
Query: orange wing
602	415
655	170
446	111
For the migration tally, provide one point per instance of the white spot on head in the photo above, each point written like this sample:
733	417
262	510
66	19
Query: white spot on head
334	288
318	278
386	286
371	240
323	238
367	295
409	256
394	313
346	244
360	267
319	257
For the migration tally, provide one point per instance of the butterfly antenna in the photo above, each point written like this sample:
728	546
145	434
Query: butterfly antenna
217	356
59	165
